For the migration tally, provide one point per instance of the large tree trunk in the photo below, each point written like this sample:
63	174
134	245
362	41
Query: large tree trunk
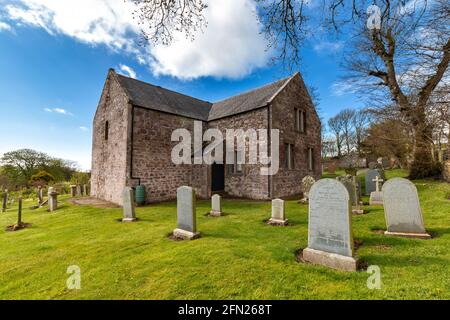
423	165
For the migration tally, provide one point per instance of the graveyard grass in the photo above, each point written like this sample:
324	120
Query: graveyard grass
238	256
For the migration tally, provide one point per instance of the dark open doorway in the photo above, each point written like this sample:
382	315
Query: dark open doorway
217	177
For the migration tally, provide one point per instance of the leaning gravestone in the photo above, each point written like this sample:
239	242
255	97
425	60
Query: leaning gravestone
186	214
307	183
278	213
216	208
350	183
52	199
402	209
370	176
330	239
129	214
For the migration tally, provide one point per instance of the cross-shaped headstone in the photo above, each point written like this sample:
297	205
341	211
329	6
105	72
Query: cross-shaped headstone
377	181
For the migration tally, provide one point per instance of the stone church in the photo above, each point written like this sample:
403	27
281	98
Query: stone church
132	144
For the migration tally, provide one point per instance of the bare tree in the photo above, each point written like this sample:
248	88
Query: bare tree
360	121
336	127
159	19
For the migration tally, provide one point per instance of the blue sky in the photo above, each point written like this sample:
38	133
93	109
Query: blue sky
53	69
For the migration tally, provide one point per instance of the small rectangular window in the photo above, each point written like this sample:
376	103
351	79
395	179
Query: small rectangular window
310	159
302	121
289	156
297	119
106	130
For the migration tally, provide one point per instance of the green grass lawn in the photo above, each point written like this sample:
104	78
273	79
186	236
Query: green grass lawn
238	256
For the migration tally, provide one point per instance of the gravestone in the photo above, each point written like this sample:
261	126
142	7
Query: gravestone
73	191
216	208
402	209
129	213
78	190
4	200
52	199
370	176
376	197
307	183
85	190
19	213
351	184
331	168
40	195
330	239
186	214
278	213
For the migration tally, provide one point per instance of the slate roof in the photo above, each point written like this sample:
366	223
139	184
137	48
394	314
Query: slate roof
146	95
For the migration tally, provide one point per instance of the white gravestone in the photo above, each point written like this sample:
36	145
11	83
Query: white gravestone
186	214
216	208
402	209
129	213
376	197
330	239
278	213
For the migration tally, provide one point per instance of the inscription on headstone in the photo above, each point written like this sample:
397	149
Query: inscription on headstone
330	240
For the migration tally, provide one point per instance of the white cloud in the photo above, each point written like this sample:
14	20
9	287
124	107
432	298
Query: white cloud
4	26
341	88
59	110
328	46
231	46
128	71
84	128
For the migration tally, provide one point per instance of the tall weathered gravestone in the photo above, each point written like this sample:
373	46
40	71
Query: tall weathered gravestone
40	194
330	239
307	183
278	213
216	208
351	184
370	176
52	199
79	190
129	214
402	209
186	214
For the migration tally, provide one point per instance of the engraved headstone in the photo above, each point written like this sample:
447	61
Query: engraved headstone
278	213
376	197
129	214
186	214
52	199
216	208
307	183
330	239
402	209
